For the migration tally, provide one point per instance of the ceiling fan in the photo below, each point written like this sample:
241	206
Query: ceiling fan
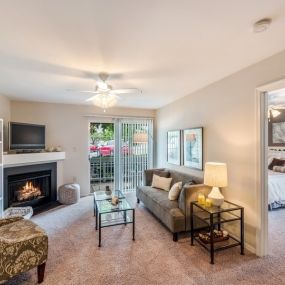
104	95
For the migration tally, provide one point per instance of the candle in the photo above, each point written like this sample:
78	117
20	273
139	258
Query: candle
201	199
208	202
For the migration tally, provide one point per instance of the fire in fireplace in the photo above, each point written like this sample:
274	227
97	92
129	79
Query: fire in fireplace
33	185
29	187
28	192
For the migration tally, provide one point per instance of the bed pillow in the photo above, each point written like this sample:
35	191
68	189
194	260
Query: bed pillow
279	168
175	191
276	162
161	182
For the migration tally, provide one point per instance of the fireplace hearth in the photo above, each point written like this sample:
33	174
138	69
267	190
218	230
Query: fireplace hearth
32	185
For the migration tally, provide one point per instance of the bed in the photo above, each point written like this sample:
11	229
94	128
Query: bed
276	189
276	182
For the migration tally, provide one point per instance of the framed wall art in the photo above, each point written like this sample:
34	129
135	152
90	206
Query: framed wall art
173	147
193	148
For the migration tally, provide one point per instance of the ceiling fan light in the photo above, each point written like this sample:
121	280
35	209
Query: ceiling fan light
105	101
103	86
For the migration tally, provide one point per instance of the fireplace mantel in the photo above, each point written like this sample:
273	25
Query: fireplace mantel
14	160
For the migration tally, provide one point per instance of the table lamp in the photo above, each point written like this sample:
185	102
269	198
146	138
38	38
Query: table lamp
215	175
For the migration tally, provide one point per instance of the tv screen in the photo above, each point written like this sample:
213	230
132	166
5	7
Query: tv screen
26	136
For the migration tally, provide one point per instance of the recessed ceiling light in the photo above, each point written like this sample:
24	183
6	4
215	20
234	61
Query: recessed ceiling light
262	25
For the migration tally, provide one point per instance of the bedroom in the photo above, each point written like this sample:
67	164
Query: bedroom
276	168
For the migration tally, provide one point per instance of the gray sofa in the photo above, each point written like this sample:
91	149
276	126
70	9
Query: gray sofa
175	215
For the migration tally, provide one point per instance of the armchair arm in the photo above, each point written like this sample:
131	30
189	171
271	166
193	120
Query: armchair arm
7	221
189	193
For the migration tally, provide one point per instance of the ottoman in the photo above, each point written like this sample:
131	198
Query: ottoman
25	212
69	194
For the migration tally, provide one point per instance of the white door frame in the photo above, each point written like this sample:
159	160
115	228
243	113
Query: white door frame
262	164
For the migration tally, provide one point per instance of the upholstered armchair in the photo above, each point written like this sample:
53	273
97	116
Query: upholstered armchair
23	246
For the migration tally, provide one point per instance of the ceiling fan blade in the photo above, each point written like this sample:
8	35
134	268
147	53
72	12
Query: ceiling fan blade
126	91
91	98
83	91
87	91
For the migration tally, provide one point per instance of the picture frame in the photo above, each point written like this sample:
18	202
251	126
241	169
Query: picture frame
193	148
174	147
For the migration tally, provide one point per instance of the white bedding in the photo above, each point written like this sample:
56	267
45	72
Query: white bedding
276	187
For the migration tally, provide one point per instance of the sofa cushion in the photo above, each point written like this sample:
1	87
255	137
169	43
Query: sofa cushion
148	173
161	182
184	177
161	173
159	196
167	211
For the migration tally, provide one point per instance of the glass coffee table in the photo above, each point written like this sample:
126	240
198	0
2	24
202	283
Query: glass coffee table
108	215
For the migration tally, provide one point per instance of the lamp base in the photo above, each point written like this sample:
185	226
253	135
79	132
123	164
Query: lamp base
216	196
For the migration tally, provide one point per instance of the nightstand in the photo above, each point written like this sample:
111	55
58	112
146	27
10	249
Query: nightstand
213	218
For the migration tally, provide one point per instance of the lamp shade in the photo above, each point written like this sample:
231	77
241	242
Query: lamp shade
140	138
215	174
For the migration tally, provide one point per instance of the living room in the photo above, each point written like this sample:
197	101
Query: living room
184	70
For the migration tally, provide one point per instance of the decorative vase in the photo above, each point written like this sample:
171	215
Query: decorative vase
108	190
115	201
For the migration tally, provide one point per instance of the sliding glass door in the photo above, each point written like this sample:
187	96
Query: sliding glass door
135	152
119	153
101	155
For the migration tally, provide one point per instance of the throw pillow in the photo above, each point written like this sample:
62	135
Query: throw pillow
276	162
161	182
175	191
279	168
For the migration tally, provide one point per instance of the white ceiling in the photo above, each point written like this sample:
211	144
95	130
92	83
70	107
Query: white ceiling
166	48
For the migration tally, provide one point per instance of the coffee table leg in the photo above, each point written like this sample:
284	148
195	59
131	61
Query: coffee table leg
96	217
134	223
99	230
94	207
125	217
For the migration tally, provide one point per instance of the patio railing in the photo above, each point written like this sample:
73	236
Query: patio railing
131	170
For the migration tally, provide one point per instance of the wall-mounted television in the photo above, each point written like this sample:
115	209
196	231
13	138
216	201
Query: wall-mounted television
26	136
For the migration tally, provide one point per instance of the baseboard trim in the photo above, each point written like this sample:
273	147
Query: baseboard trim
247	246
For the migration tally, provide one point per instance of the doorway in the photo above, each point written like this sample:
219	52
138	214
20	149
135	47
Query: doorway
101	155
276	169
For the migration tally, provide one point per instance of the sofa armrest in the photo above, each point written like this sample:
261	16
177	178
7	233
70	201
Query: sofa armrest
148	173
189	193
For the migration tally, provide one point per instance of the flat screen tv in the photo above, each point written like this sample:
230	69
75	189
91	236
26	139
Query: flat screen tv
26	136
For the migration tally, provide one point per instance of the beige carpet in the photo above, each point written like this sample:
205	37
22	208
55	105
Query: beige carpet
74	257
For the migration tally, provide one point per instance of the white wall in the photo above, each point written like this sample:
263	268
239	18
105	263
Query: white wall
5	115
67	126
227	111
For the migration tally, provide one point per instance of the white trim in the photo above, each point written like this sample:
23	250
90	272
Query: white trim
13	160
246	245
261	167
119	117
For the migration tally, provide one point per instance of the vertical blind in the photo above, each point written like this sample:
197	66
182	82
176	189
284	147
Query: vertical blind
133	152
